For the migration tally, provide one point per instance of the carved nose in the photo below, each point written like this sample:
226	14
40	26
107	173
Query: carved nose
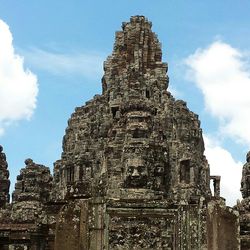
135	173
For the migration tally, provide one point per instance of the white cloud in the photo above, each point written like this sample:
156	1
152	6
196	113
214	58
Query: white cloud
222	163
18	86
88	65
222	73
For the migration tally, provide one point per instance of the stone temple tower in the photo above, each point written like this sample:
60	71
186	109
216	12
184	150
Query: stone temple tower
132	174
135	136
244	205
4	180
133	164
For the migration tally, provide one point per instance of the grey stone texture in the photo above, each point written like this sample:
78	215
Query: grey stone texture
132	175
4	180
135	135
32	191
244	205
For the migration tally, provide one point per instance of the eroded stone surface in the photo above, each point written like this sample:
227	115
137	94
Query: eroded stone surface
135	135
244	205
32	191
4	180
132	175
25	222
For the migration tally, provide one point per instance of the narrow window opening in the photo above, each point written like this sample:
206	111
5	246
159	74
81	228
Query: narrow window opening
114	133
81	172
23	186
147	93
216	185
70	174
138	133
185	171
114	111
212	187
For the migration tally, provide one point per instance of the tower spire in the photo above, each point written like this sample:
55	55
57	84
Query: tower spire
136	57
4	180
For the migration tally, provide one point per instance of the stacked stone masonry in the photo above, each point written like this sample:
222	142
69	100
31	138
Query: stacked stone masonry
132	175
4	180
244	206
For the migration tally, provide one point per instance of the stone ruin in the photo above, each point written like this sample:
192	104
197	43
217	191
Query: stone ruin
4	180
244	206
132	174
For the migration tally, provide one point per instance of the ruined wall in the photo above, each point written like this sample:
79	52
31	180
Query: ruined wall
32	190
222	226
24	224
82	224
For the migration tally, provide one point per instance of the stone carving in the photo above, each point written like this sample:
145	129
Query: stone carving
33	183
4	180
136	173
32	190
216	184
245	181
142	233
244	205
132	174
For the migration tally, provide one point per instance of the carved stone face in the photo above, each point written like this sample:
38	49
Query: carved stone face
245	181
245	190
136	173
248	157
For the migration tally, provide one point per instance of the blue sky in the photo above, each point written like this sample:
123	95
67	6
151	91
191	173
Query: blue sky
63	45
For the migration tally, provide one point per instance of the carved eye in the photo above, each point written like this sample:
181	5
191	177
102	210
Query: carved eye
159	169
140	169
130	169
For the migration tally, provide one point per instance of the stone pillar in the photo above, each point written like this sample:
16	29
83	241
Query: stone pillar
216	182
